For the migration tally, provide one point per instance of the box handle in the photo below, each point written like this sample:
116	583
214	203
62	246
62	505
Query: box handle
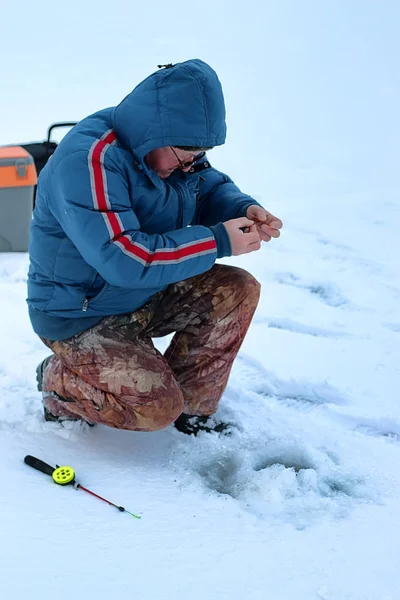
21	166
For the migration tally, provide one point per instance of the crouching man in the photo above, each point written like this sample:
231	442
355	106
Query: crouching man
129	221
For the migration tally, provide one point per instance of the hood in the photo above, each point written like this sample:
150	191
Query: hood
182	105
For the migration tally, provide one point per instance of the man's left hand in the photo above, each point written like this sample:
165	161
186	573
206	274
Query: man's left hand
268	225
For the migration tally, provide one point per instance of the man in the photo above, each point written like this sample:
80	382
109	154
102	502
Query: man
130	218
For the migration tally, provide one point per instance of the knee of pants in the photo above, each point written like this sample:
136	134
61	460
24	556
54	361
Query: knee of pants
247	284
156	417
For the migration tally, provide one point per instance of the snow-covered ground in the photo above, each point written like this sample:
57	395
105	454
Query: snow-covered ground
302	502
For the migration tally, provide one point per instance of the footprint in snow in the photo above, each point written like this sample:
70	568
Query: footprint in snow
327	292
296	327
265	383
385	427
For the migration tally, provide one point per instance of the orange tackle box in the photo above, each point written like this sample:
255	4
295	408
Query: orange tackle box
17	183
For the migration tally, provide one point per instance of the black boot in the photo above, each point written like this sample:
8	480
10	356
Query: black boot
39	372
192	424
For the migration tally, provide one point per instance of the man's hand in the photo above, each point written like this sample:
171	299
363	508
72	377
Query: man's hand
267	225
243	235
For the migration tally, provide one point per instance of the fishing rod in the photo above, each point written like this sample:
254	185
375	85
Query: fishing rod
66	476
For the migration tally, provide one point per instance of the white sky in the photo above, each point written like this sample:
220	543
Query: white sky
308	84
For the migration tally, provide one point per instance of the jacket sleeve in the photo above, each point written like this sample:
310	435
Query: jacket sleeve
90	199
219	199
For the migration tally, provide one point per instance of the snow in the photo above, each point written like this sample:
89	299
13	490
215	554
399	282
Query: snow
302	501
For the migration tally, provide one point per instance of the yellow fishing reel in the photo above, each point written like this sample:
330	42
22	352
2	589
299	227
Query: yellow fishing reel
63	475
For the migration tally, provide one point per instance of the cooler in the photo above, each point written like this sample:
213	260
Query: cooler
17	182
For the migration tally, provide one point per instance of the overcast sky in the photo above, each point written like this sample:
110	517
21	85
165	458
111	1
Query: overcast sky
312	88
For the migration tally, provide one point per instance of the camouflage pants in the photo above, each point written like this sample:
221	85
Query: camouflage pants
112	374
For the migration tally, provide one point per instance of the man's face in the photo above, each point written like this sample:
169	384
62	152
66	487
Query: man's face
167	159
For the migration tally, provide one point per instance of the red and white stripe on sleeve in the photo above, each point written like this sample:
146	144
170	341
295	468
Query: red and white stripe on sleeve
98	182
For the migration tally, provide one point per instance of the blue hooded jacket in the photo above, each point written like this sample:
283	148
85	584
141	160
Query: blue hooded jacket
108	233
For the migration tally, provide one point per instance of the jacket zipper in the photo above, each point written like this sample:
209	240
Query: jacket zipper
180	211
180	208
86	300
180	200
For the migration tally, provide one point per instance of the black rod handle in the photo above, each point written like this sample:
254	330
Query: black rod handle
38	464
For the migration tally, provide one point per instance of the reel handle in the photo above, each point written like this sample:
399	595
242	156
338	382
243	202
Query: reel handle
39	465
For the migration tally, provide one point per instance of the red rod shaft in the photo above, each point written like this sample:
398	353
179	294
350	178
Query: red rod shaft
97	496
121	508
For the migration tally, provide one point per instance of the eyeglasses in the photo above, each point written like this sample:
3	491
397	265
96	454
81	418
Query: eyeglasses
187	163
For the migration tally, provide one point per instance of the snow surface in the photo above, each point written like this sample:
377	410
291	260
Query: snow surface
302	502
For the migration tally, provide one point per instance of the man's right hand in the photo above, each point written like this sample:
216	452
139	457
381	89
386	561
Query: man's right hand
242	241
